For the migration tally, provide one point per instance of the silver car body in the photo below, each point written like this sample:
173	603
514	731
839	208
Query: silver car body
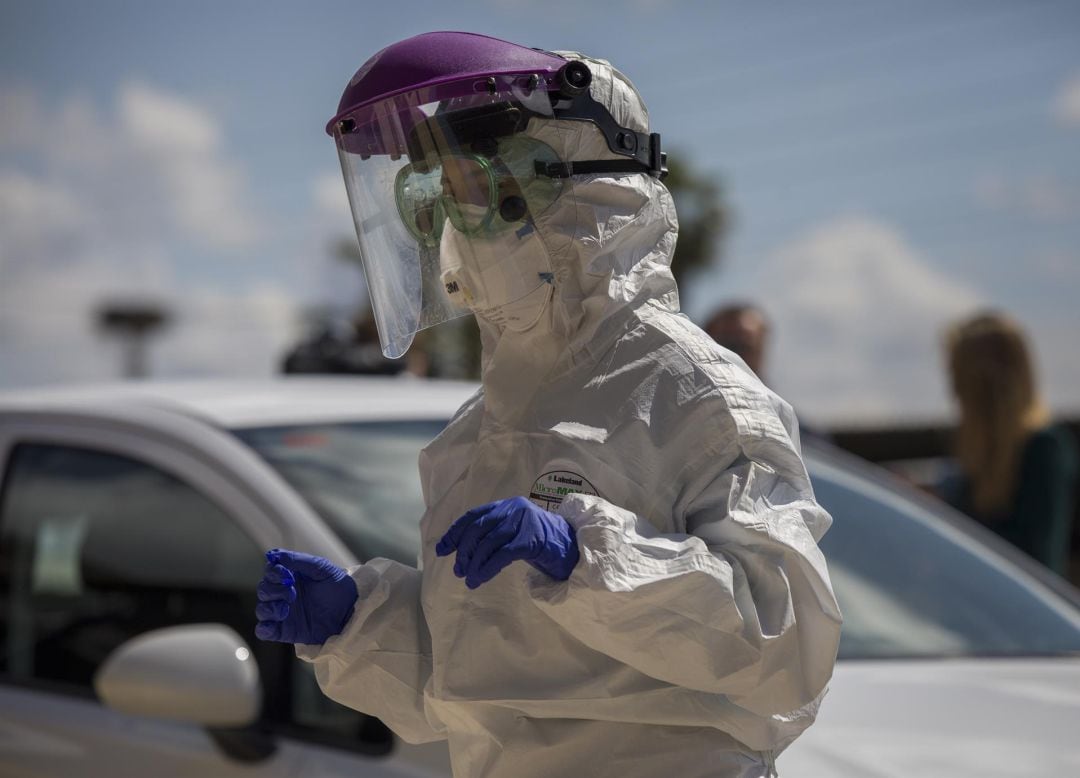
882	717
184	429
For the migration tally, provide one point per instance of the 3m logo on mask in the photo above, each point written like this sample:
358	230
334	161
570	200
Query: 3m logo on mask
452	287
551	488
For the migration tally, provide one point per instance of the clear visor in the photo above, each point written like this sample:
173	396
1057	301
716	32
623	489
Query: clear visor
443	189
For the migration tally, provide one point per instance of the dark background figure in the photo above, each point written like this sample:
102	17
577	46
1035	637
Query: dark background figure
351	347
1016	471
743	328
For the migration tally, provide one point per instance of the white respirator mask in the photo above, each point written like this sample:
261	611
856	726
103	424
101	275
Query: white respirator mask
506	279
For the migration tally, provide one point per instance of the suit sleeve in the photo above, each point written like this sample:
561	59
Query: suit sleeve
381	661
740	604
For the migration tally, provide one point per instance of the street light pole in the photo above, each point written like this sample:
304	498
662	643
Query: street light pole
133	323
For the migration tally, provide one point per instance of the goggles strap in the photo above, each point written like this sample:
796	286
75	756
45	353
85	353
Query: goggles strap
582	168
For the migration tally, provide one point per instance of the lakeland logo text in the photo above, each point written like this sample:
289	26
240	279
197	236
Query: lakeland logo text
550	488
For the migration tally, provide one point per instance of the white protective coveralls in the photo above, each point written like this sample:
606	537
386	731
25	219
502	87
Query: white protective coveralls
698	632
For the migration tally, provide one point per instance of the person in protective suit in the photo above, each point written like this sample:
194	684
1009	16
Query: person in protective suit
619	573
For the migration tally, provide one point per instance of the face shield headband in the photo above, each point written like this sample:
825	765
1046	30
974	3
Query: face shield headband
572	101
568	93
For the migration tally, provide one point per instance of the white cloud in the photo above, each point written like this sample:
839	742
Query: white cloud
1053	338
209	200
166	124
48	334
340	283
328	193
22	197
47	331
1067	102
142	202
21	118
858	315
182	143
230	335
1041	197
155	167
35	216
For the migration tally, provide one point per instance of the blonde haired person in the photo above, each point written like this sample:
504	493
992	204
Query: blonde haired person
1017	470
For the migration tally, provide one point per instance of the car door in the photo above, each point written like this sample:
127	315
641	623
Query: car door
102	538
956	658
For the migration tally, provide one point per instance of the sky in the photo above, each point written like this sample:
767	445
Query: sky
889	168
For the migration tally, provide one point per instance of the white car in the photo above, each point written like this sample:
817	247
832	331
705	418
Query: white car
133	521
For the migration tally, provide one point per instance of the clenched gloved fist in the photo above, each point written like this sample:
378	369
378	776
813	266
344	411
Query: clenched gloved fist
302	598
490	537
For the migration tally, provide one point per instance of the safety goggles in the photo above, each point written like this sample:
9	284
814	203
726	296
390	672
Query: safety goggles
482	193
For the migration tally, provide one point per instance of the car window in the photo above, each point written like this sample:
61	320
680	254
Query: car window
910	584
96	548
360	477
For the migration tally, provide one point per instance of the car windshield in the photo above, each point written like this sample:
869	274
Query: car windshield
360	477
911	583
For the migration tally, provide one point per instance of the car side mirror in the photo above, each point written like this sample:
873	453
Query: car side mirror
199	673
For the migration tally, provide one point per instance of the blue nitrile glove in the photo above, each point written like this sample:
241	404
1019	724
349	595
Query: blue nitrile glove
302	598
490	537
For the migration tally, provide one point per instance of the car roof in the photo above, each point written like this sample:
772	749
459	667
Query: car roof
272	401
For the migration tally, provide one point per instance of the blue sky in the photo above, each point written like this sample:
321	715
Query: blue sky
889	166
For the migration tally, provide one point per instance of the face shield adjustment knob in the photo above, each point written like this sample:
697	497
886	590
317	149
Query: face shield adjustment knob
573	78
513	209
346	126
628	141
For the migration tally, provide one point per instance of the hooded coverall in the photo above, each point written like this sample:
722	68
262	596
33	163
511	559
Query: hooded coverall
697	633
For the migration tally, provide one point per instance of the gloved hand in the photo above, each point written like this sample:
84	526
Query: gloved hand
302	598
490	537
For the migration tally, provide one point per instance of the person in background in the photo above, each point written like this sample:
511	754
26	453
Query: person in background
743	328
352	347
1017	471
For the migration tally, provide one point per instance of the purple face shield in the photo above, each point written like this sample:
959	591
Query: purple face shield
433	139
